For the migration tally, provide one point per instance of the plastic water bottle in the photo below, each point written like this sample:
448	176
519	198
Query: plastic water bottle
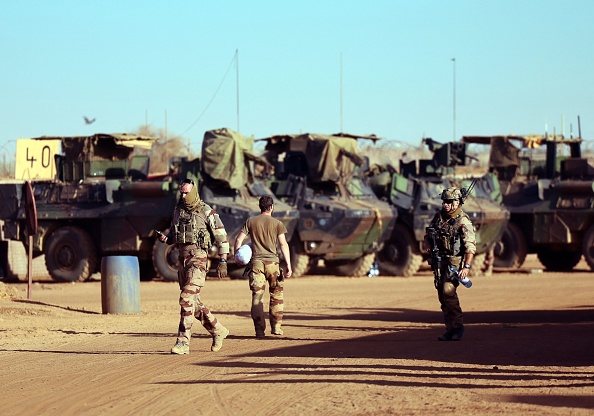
466	281
374	270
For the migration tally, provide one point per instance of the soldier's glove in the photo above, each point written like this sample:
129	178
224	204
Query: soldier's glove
222	269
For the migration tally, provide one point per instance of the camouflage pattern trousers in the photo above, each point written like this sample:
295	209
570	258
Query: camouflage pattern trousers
448	298
259	273
192	276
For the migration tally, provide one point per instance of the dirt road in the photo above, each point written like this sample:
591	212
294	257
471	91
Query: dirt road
351	347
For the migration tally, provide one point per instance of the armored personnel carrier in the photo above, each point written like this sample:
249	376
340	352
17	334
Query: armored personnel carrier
550	196
103	201
98	203
227	182
341	221
414	190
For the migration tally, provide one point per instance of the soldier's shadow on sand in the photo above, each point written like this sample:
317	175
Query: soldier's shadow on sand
497	351
497	338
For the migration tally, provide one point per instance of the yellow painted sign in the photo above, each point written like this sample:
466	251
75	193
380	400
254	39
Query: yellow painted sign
35	159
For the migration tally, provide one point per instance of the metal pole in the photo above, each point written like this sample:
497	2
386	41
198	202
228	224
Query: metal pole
30	266
454	98
341	92
237	83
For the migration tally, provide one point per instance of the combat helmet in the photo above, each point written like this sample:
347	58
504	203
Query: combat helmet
451	193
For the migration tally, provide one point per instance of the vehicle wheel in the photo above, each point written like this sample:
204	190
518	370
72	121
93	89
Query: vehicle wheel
165	261
300	262
559	261
7	273
70	255
146	269
398	257
588	247
352	268
511	250
235	272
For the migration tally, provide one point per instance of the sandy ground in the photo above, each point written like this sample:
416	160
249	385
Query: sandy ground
351	347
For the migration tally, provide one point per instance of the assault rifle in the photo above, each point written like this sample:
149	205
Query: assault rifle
435	262
435	258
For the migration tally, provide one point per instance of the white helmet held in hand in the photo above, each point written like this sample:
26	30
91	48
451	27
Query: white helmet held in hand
243	255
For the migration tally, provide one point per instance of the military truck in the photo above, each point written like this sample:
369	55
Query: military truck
341	221
550	196
103	201
228	183
415	191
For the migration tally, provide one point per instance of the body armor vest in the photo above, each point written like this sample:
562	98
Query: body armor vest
191	229
449	241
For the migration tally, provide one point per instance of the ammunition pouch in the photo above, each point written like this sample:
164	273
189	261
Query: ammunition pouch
186	230
204	239
190	229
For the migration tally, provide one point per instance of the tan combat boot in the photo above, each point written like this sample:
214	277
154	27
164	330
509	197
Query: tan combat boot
217	340
180	348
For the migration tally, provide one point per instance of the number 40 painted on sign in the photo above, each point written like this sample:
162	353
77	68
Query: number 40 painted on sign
35	159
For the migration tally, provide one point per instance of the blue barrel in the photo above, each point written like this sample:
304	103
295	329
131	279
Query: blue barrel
120	285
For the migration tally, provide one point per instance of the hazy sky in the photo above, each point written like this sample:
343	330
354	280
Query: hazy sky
381	67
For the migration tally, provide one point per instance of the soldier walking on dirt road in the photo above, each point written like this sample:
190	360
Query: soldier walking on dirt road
267	234
191	227
451	241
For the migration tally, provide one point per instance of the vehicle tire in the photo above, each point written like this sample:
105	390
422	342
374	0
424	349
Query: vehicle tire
398	256
558	261
165	261
146	269
70	255
236	272
352	268
511	250
300	262
7	273
588	247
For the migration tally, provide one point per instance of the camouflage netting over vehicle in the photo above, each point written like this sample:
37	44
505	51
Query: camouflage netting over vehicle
228	185
224	154
341	221
329	158
550	197
102	146
415	191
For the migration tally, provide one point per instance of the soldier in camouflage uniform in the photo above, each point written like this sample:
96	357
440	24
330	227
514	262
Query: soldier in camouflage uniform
267	234
189	231
457	245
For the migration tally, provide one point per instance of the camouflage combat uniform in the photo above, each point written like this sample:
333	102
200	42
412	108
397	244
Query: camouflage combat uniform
456	237
190	232
264	267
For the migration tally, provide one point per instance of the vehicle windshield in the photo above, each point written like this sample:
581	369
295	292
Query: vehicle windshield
359	189
257	188
433	190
